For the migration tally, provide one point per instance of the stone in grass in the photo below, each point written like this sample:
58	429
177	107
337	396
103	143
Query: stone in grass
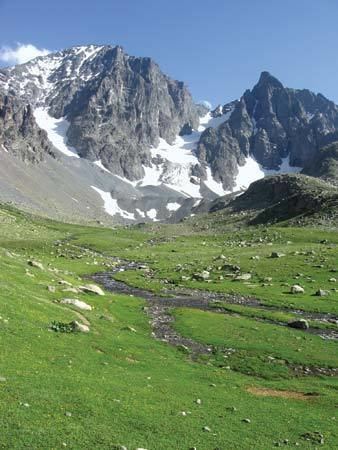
206	429
129	328
65	283
276	255
72	290
315	437
202	276
300	324
77	303
333	280
246	420
3	380
243	277
296	289
92	289
321	293
80	327
51	289
36	264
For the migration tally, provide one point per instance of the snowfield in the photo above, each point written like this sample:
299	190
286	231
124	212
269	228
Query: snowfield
111	206
56	130
178	159
252	171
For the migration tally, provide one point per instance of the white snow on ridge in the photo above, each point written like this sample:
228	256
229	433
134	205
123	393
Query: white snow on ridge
253	171
110	205
4	148
56	130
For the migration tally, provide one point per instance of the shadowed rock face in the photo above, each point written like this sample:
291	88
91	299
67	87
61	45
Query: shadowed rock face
270	122
19	133
325	164
118	106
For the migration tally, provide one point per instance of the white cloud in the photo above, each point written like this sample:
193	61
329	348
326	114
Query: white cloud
21	53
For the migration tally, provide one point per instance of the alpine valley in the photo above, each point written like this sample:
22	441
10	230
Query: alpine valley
93	134
168	273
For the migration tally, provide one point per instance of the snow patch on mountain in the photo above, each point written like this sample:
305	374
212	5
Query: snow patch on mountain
4	148
101	166
252	171
152	214
173	163
111	206
174	206
56	130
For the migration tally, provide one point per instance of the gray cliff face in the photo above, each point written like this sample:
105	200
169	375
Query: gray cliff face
269	122
19	133
118	106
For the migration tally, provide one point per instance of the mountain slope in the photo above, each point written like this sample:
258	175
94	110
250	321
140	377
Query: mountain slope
291	198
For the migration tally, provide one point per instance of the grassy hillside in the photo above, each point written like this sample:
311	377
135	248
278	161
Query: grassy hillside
262	385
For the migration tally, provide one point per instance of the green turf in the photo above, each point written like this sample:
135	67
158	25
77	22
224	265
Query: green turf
125	388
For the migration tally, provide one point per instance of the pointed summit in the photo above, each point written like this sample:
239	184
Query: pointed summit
266	79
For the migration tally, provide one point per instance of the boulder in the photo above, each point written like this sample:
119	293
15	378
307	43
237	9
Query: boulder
77	303
36	264
80	327
296	289
91	289
300	324
243	277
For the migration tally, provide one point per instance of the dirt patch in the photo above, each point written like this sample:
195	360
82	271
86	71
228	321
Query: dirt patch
266	392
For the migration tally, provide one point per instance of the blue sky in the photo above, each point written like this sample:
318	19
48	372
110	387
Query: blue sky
218	47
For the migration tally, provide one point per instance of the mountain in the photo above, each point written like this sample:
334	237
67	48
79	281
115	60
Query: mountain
91	133
277	127
119	129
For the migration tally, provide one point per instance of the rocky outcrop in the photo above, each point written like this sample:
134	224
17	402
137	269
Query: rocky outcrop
287	197
270	123
325	164
19	133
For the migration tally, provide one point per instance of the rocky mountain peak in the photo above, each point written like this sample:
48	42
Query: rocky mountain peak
267	80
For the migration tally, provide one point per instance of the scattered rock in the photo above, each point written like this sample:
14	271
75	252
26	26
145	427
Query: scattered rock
77	303
207	429
276	255
246	420
129	328
296	289
36	264
92	289
80	327
51	289
301	324
321	293
71	289
65	283
243	277
314	436
202	276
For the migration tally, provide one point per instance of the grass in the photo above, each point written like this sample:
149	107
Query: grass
125	388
